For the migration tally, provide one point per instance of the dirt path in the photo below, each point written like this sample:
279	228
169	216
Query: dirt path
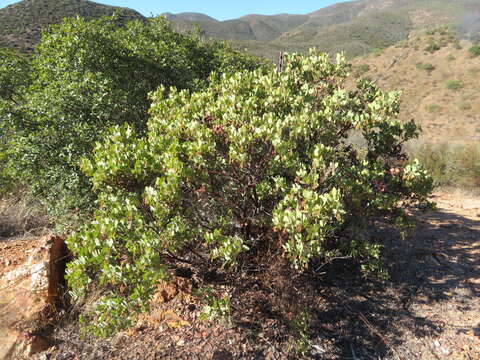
443	289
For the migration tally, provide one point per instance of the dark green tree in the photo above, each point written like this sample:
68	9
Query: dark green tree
14	78
90	75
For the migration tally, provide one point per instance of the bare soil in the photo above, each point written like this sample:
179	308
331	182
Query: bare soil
428	309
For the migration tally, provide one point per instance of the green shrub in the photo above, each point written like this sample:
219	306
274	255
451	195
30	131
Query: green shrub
426	67
361	70
464	106
300	324
473	71
215	307
89	76
259	155
433	108
474	50
14	78
469	96
432	47
454	85
441	30
451	57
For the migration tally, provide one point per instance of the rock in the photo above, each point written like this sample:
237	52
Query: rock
476	330
464	291
37	344
446	351
39	274
318	350
8	343
29	288
180	342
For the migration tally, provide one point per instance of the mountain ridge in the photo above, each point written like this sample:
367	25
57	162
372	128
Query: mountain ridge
21	23
356	27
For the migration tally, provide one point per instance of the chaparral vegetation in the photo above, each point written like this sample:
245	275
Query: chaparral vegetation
149	147
197	201
257	159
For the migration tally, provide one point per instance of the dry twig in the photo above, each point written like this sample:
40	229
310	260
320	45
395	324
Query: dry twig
379	335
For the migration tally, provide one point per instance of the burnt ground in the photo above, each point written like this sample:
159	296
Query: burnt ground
428	309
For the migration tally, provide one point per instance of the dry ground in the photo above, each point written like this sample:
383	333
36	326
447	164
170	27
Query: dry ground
429	309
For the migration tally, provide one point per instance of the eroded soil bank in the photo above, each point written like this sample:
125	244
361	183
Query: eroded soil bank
429	309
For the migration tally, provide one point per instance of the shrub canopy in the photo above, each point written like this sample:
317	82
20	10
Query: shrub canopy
474	50
14	78
258	158
90	75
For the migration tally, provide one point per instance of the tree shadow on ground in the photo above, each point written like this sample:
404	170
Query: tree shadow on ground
352	317
347	316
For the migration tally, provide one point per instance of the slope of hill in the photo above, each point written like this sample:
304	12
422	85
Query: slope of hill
250	27
22	22
439	79
356	27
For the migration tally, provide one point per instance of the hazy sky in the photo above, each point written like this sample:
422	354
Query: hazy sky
219	9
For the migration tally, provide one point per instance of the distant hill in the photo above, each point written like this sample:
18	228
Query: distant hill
250	27
21	23
356	27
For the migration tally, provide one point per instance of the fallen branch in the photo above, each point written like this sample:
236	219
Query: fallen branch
379	335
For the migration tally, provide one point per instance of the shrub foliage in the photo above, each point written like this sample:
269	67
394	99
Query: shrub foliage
454	85
258	158
88	76
14	78
475	50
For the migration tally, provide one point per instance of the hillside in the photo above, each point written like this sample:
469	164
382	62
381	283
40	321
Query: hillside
250	27
439	80
357	27
21	23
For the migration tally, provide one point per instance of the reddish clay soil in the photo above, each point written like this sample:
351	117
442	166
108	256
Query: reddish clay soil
428	309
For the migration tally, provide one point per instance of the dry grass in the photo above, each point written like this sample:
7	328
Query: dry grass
426	80
20	216
451	165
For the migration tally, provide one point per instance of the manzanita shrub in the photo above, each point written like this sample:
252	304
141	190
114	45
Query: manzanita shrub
257	155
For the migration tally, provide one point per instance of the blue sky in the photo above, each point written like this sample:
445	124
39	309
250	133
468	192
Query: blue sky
219	9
